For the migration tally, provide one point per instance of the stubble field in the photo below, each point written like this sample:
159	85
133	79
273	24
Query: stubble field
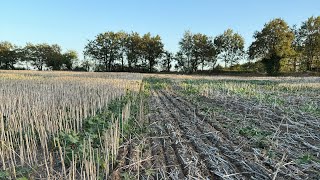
59	125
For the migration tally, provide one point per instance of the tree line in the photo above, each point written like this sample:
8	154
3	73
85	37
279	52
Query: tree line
276	48
36	56
120	51
283	49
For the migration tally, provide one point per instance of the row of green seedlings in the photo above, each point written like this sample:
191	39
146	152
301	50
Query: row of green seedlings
262	139
156	83
191	87
90	153
102	134
267	92
28	117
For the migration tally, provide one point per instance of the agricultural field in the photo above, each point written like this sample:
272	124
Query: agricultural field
57	125
67	125
228	128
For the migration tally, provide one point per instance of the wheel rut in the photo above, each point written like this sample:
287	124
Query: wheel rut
185	145
215	138
214	149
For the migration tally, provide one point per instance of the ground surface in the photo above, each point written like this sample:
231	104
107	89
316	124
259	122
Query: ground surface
207	138
63	125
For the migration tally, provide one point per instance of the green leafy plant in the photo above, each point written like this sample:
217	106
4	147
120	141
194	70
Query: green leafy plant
22	178
253	132
4	175
259	136
307	158
127	176
23	172
158	83
72	144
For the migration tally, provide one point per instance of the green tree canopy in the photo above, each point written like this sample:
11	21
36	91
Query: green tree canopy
50	56
44	55
123	40
230	47
54	58
152	49
166	61
184	56
195	49
133	48
112	47
9	55
104	48
310	37
69	58
203	51
272	43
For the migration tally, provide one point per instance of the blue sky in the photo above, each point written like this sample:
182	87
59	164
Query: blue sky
70	23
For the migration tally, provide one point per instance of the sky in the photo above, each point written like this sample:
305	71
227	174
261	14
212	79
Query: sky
71	23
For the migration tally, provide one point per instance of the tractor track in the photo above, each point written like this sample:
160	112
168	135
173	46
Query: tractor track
205	138
185	144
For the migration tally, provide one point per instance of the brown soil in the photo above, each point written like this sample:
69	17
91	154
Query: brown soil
185	143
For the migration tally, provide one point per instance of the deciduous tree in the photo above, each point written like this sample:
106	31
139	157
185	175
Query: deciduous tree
272	43
310	36
9	55
230	47
104	48
133	48
42	55
203	52
186	47
166	61
69	58
152	49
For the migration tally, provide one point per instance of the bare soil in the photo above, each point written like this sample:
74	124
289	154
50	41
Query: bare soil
185	142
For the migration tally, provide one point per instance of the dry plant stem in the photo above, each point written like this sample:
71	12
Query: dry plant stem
280	164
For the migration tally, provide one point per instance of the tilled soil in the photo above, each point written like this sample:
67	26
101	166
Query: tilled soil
186	143
293	134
